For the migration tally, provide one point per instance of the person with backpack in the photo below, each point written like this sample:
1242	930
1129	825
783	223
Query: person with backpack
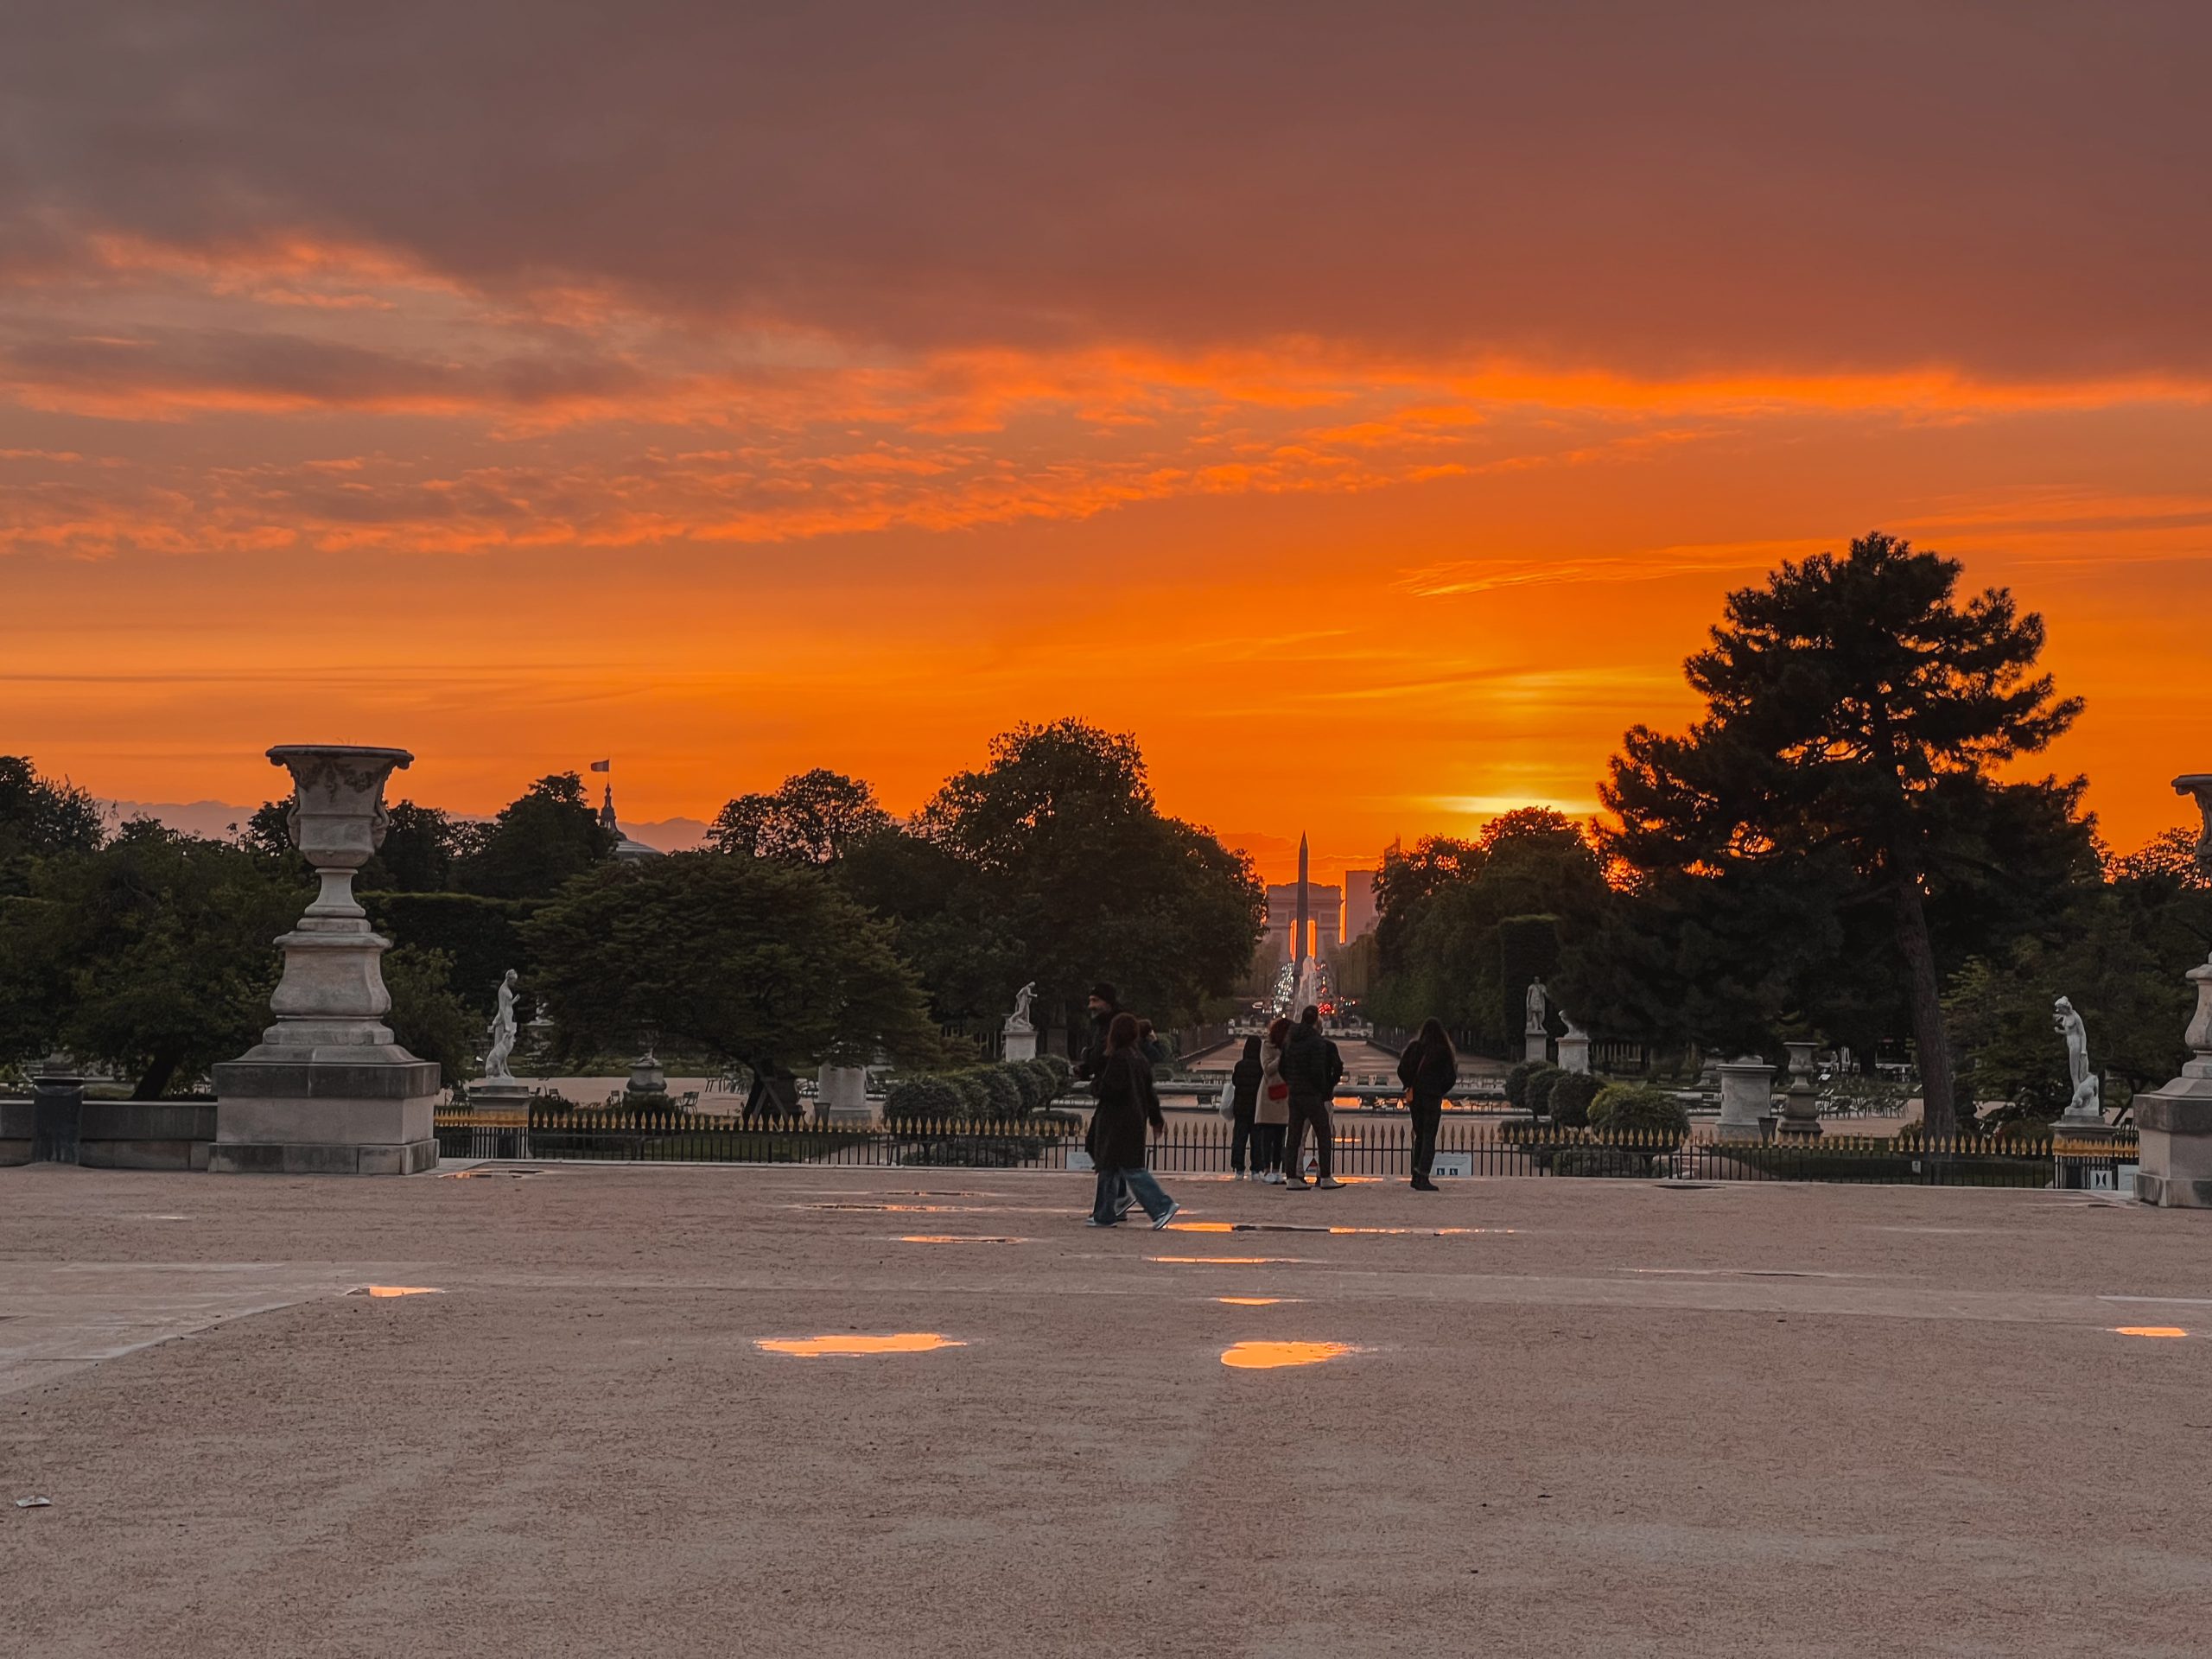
1429	1068
1312	1068
1271	1112
1244	1105
1127	1102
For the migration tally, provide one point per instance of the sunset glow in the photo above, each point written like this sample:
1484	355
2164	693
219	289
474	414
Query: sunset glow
1373	439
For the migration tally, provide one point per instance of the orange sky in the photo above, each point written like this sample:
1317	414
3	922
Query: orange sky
1369	414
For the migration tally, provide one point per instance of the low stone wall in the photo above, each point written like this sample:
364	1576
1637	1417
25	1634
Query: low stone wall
146	1134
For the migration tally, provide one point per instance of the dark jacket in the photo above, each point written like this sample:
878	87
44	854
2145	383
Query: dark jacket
1245	1081
1311	1065
1436	1072
1094	1052
1126	1102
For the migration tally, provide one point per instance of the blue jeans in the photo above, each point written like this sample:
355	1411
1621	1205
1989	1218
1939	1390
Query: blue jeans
1115	1188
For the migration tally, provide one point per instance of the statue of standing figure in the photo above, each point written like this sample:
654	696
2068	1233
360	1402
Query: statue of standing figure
2085	1103
503	1033
1019	1020
1537	1000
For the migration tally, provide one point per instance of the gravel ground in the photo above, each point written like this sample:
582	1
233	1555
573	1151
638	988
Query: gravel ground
1609	1418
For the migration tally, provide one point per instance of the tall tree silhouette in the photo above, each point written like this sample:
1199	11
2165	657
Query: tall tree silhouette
1856	707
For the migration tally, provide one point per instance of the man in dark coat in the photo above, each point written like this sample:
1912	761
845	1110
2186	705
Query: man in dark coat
1312	1068
1105	1003
1430	1070
1244	1105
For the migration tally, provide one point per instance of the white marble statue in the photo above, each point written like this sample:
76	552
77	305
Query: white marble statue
2085	1103
503	1033
1019	1020
1536	1001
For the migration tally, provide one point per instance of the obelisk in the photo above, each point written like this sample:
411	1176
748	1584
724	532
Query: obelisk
1298	946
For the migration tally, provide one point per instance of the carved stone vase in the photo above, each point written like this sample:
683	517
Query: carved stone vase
327	1090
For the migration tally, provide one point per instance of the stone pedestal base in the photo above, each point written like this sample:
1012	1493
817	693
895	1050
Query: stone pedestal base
325	1111
1021	1044
1746	1095
843	1095
1535	1047
1574	1054
498	1095
2175	1124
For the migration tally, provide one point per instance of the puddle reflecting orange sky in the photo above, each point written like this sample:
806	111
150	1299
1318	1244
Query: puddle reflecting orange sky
1226	1260
956	1239
902	1341
402	1290
1254	1301
2148	1330
1269	1356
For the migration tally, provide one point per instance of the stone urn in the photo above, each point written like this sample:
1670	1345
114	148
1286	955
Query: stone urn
327	1090
1801	1059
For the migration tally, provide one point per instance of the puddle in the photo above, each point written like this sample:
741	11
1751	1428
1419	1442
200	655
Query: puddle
1271	1355
2148	1330
395	1290
903	1342
957	1238
1227	1260
1317	1227
1257	1301
487	1174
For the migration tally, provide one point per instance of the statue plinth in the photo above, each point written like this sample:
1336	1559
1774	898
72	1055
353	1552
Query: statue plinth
1020	1041
1746	1097
1801	1113
327	1090
2174	1122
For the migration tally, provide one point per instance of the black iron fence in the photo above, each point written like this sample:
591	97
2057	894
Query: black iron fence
1373	1148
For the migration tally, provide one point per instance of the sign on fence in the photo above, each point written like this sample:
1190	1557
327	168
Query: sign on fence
1453	1163
1078	1158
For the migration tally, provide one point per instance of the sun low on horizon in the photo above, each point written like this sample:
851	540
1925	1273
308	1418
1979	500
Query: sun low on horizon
1369	411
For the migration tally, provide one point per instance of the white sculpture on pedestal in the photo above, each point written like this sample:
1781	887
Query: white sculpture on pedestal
1020	1032
503	1033
2084	1106
1573	1046
1534	1043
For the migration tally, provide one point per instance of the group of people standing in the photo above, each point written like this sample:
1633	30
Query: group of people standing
1280	1088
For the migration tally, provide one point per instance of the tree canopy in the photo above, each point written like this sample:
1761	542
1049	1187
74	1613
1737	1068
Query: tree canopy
538	842
39	818
1857	712
812	817
1086	881
750	959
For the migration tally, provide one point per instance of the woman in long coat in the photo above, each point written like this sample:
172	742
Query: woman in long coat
1127	1102
1271	1112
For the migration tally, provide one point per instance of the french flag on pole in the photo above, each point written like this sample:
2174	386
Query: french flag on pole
602	766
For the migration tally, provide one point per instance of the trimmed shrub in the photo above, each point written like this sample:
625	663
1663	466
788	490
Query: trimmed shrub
1061	1067
1045	1080
1001	1095
1572	1093
975	1098
1538	1090
918	1098
1637	1108
1516	1083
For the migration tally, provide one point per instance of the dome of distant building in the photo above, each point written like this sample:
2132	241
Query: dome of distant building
627	851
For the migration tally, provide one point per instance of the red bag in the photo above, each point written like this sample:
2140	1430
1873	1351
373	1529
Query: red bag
1278	1091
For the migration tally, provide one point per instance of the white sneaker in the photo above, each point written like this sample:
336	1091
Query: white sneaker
1173	1210
1328	1181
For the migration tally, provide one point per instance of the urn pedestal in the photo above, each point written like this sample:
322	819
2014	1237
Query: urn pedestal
2174	1124
327	1091
1746	1095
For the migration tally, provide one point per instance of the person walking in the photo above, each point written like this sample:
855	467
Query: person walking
1126	1102
1312	1067
1244	1105
1272	1114
1429	1068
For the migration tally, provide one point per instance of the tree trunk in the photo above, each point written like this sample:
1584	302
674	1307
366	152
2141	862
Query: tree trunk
156	1078
1939	1114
